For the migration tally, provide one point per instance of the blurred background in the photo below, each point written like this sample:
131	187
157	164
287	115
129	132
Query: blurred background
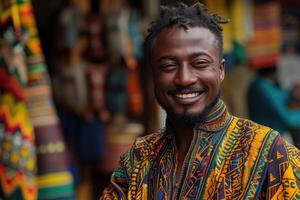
75	90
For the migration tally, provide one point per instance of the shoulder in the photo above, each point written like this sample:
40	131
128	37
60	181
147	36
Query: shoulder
249	125
148	141
266	137
263	138
253	131
287	152
143	147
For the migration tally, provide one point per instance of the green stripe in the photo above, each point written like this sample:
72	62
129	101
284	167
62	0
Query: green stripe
37	68
56	191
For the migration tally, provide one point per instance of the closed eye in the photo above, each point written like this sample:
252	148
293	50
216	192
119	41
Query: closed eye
200	63
168	67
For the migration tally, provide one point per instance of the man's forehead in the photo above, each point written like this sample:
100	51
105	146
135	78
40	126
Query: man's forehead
178	37
176	33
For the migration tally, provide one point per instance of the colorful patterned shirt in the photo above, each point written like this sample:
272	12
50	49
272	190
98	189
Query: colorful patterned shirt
229	158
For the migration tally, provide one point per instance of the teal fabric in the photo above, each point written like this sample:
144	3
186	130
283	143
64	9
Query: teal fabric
268	105
239	52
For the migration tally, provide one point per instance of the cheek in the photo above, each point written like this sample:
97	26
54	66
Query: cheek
215	83
212	82
164	82
206	75
160	89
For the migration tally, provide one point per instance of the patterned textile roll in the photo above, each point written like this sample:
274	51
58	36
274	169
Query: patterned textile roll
17	25
264	46
17	139
17	150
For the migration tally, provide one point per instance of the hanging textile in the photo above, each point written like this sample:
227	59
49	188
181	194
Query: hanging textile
264	46
221	7
17	149
29	105
234	33
238	16
17	141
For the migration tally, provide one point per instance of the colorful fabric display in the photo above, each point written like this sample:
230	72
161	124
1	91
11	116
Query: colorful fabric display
236	32
56	186
238	10
17	150
17	139
26	108
221	7
264	46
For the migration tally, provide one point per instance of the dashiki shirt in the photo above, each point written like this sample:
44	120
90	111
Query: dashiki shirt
229	158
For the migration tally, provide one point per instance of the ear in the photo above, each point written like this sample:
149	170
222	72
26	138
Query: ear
222	69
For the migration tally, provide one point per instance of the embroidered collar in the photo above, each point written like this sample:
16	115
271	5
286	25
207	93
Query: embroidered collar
217	118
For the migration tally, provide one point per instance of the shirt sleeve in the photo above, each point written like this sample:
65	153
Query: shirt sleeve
118	187
283	172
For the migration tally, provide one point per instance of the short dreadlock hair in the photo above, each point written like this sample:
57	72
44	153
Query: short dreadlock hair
185	16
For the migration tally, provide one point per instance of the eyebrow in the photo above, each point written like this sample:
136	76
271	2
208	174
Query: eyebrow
196	54
166	58
193	55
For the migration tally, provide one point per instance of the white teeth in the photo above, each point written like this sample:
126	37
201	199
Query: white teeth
189	95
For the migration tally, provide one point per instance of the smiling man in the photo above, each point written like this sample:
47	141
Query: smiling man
204	152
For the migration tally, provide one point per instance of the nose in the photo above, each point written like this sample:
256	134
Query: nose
185	76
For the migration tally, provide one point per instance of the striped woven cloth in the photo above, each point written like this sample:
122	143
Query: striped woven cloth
264	46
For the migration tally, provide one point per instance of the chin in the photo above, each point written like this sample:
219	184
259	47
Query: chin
188	118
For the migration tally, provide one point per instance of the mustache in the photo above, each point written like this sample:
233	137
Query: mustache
186	90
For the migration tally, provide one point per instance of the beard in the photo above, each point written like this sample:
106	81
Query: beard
185	117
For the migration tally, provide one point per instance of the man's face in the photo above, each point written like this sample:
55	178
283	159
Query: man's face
187	71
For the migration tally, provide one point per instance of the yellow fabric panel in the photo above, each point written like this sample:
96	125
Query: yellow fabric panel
220	7
54	179
238	21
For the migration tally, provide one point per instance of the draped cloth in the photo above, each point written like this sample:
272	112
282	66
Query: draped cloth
33	160
229	158
265	44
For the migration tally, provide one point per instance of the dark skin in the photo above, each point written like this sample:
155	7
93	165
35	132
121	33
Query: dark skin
187	72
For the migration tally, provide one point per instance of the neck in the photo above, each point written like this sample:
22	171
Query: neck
214	120
183	134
